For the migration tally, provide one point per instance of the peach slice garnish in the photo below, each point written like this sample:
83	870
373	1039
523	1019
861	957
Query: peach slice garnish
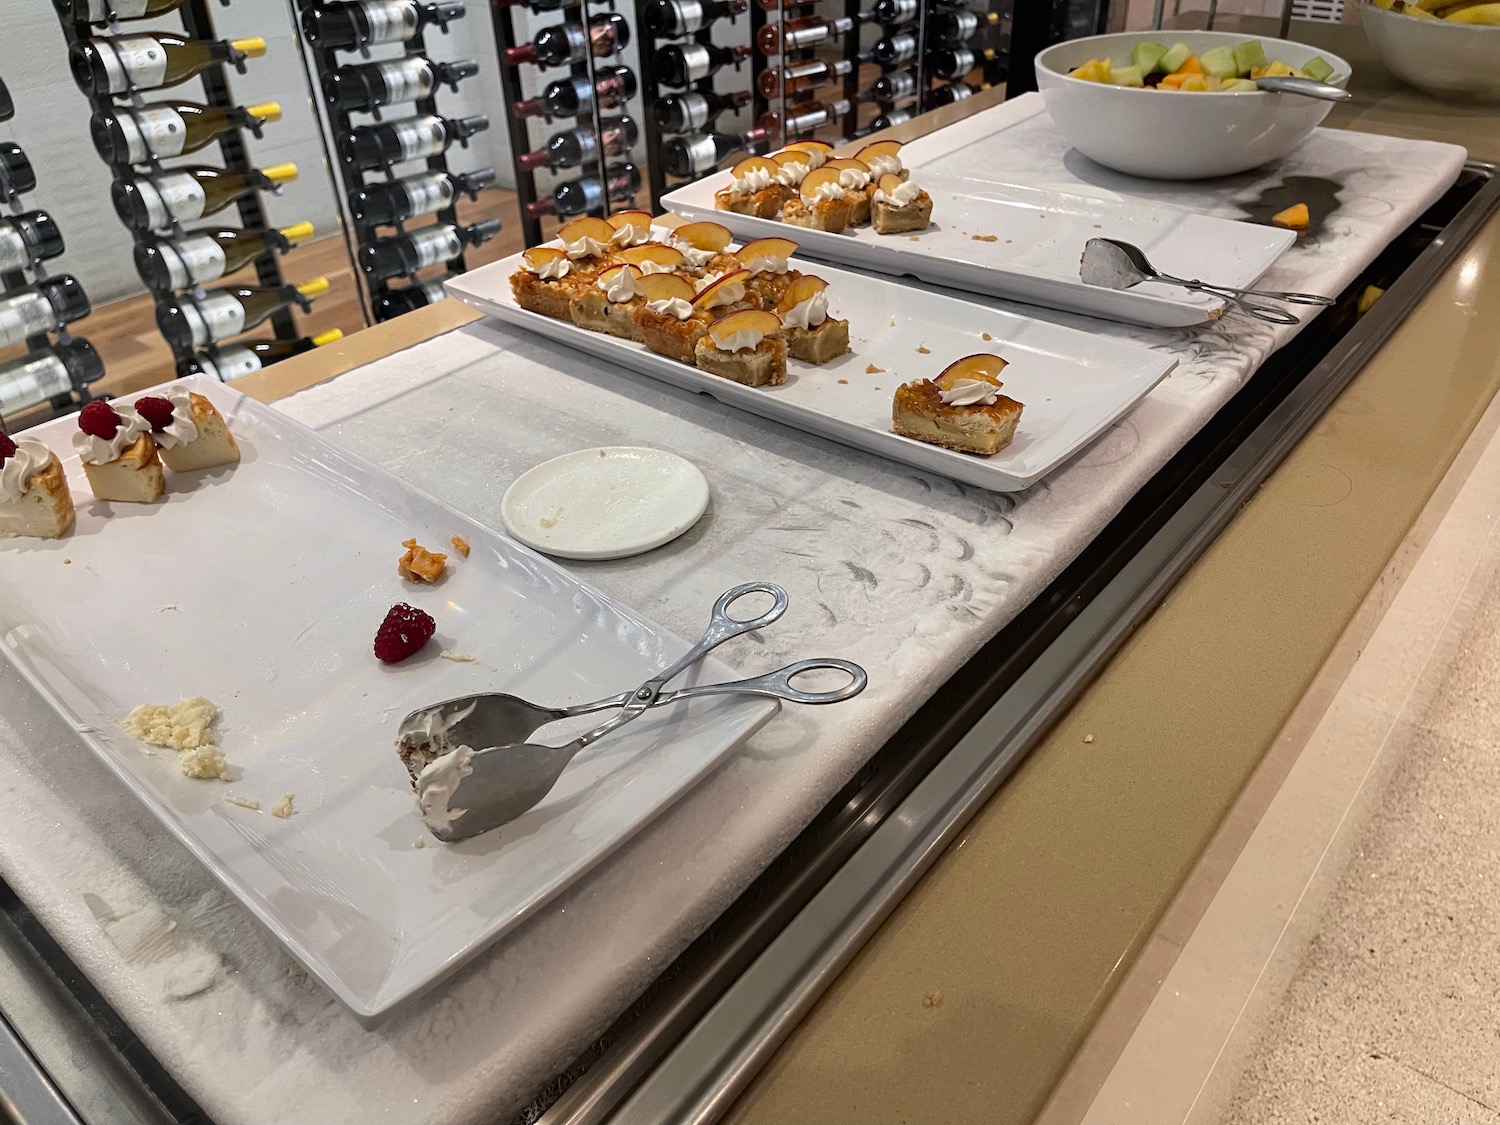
726	291
983	367
586	227
890	182
665	287
821	146
766	323
539	256
823	175
704	235
753	164
659	255
847	162
613	272
630	218
879	148
782	248
800	290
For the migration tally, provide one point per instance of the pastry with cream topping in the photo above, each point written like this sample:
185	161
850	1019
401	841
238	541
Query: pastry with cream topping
882	159
704	247
854	178
541	284
610	303
589	244
119	458
899	206
652	258
632	228
754	189
961	409
189	432
34	497
770	274
821	203
811	334
746	347
667	321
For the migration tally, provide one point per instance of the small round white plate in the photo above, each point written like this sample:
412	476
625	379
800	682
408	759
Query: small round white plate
605	503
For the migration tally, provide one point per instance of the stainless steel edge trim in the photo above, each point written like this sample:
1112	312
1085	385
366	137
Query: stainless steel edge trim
700	1078
27	1095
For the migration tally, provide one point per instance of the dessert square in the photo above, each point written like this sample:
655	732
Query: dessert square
665	334
826	342
135	477
830	215
765	366
888	219
918	411
188	431
34	499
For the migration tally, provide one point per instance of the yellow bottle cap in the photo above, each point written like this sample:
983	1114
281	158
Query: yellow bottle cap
266	111
280	173
314	288
255	47
297	232
327	337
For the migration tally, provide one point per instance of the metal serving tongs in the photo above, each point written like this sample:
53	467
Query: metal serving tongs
1112	264
466	792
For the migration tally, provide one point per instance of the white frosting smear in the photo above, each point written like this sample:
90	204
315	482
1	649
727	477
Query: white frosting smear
970	392
437	783
97	451
809	313
586	247
30	458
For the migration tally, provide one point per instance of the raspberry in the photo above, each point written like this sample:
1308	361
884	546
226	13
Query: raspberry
7	448
99	420
403	632
157	411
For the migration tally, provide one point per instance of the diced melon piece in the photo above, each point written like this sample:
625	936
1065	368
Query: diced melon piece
1178	54
1249	55
1317	68
1240	86
1173	82
1191	65
1146	56
1294	217
1090	71
1195	83
1368	298
1128	76
1220	63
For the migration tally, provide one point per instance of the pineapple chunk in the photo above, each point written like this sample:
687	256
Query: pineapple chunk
1195	83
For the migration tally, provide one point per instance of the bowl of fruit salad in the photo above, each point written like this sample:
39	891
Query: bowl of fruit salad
1182	105
1449	48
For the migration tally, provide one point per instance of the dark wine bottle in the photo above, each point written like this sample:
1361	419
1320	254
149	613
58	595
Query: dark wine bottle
572	147
695	110
408	253
950	29
151	61
573	97
947	95
16	173
48	373
398	200
895	50
195	322
682	64
955	62
534	5
207	255
799	34
886	120
372	147
803	118
28	238
184	194
675	18
367	23
587	194
365	87
235	361
892	87
43	307
161	129
7	103
893	13
799	77
565	43
694	156
398	302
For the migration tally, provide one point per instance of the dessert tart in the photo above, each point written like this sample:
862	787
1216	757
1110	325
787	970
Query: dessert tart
632	228
754	189
811	334
854	178
821	204
770	275
119	458
610	304
541	284
652	258
34	497
667	322
883	158
704	247
746	347
961	409
899	206
188	430
588	242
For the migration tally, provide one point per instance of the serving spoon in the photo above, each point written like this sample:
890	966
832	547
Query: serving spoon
1304	87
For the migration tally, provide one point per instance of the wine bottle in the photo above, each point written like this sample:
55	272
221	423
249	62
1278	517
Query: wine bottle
694	156
573	97
572	147
27	238
955	62
398	302
381	204
365	87
787	8
195	322
587	194
367	23
134	136
95	11
372	147
16	173
7	103
207	255
799	34
892	87
534	5
235	361
151	61
43	307
682	64
799	77
947	95
565	43
408	253
695	110
895	50
673	18
893	13
886	120
48	373
803	118
950	29
185	194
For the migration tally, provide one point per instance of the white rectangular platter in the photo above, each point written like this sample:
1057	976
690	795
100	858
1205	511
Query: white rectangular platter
1073	385
1011	240
261	587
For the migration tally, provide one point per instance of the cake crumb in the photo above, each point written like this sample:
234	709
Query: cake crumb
933	1000
175	726
206	763
283	806
923	350
1088	738
985	336
1098	226
893	322
912	238
460	545
984	238
844	381
419	842
1007	241
553	520
873	370
458	657
419	564
242	802
69	562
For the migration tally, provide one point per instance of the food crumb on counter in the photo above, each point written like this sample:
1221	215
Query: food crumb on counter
844	381
1295	217
242	802
283	806
419	564
984	238
458	657
923	350
873	370
985	336
933	1000
419	842
1088	738
461	545
553	520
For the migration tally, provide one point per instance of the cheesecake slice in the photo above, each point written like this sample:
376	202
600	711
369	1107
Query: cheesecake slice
188	430
119	458
961	409
34	499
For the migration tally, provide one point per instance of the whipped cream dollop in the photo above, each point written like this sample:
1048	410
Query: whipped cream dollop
437	783
553	270
970	392
618	288
884	166
757	179
706	280
767	263
97	451
691	255
672	306
16	471
809	313
826	191
181	430
901	196
816	157
792	173
744	340
630	235
586	247
649	267
729	294
853	179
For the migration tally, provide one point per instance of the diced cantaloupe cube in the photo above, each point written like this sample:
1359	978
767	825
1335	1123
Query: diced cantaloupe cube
1294	217
1192	66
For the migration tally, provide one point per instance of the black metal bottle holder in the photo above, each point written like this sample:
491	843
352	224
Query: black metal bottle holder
198	23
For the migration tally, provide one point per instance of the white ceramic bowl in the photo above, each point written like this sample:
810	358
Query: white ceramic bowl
1459	61
1177	136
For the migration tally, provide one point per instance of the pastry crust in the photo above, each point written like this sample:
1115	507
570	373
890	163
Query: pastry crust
665	335
597	313
135	477
44	510
771	287
918	411
763	204
859	205
763	367
213	446
826	342
916	215
549	298
831	215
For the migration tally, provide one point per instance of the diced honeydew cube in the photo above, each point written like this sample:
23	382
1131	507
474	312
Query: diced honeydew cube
1128	76
1317	68
1220	63
1147	56
1175	57
1249	55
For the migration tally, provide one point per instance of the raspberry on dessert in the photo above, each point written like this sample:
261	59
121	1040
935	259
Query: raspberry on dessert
156	410
403	632
98	419
7	447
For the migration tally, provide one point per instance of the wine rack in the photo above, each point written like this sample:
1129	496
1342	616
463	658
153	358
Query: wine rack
118	65
381	202
58	367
